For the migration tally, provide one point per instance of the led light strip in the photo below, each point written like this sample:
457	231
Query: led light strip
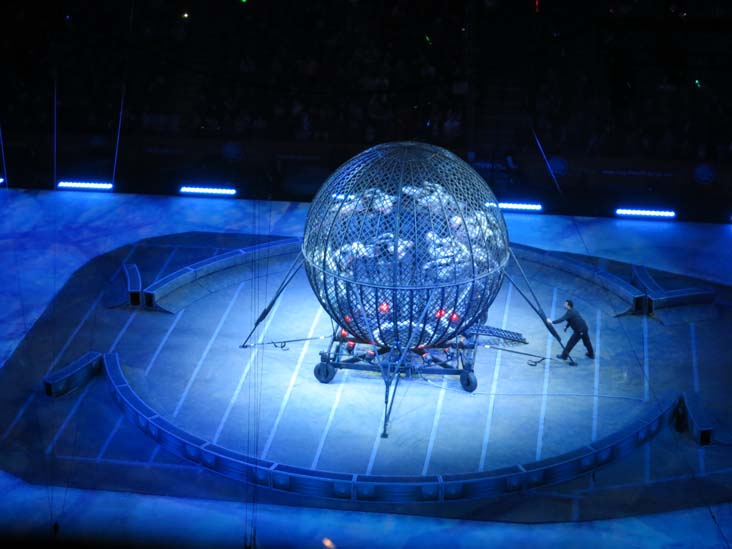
519	206
86	185
208	190
645	213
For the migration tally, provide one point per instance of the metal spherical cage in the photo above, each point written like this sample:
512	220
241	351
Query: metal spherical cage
404	245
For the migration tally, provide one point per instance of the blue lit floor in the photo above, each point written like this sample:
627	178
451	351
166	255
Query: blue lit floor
129	519
45	237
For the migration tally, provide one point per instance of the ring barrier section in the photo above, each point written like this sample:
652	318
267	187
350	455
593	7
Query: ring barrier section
73	375
586	271
660	298
680	410
642	292
168	284
389	489
134	284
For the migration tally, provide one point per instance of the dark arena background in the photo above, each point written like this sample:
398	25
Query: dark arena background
278	273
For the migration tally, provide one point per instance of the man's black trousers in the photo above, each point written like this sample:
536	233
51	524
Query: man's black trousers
574	338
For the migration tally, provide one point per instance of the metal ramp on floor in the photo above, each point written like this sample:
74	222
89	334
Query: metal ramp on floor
490	331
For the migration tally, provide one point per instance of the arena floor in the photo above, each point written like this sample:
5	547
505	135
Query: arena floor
265	401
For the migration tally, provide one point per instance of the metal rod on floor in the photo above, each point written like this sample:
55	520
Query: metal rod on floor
537	306
512	351
296	264
397	370
539	312
283	343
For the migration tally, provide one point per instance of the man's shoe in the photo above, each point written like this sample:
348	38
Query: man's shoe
561	357
591	357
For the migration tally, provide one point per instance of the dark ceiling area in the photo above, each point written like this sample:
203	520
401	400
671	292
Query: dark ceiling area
550	101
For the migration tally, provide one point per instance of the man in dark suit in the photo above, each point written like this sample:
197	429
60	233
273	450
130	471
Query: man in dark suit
579	331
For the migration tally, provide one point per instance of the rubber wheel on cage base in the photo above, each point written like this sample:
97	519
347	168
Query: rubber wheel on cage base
324	372
468	381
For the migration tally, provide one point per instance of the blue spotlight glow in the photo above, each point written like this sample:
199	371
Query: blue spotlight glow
645	213
222	191
85	185
341	196
520	206
2	180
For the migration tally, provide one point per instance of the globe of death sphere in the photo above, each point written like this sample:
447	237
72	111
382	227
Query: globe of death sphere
405	245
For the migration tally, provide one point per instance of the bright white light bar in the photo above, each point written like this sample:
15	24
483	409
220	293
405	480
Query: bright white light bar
645	213
2	180
519	206
208	190
86	185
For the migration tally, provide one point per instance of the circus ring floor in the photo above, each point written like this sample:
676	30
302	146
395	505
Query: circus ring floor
264	402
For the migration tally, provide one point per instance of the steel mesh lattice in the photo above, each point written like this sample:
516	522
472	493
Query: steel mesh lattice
404	245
